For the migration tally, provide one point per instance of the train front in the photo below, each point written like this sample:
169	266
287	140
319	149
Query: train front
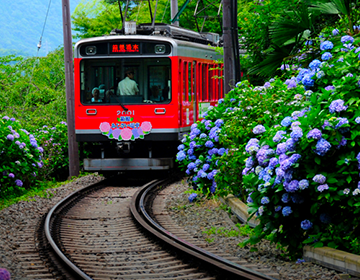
125	110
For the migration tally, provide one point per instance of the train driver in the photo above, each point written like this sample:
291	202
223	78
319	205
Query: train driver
128	86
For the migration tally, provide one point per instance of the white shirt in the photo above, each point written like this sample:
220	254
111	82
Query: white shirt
127	87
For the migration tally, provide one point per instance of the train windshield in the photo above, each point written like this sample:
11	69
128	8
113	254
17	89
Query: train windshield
125	80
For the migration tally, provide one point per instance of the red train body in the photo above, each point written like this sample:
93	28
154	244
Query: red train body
176	79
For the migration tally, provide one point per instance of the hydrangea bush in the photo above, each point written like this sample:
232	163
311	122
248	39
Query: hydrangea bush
253	111
302	175
21	157
54	143
199	152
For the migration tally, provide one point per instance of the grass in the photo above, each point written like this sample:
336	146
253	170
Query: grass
40	190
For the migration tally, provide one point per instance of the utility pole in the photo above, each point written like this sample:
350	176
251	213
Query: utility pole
69	83
229	73
174	10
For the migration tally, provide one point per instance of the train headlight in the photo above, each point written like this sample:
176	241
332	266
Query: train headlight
90	50
160	49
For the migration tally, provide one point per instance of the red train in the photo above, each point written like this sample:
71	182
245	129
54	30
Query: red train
136	127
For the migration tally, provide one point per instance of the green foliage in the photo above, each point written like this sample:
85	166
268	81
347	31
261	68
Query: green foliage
97	18
32	89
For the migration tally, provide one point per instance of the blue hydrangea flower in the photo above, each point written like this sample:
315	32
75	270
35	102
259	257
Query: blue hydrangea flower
326	45
206	167
191	166
221	100
219	123
306	225
296	134
180	156
285	198
341	122
326	56
286	121
347	39
181	147
314	64
293	186
265	200
322	147
278	208
278	136
303	184
192	197
308	81
335	32
286	211
357	120
319	178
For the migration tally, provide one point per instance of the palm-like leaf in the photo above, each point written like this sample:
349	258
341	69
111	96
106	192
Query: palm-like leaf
271	63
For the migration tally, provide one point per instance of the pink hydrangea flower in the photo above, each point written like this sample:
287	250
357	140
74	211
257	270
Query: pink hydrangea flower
146	126
104	127
116	133
126	134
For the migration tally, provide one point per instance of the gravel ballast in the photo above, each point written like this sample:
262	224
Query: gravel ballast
194	217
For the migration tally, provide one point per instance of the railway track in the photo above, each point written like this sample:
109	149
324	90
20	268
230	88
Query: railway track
108	232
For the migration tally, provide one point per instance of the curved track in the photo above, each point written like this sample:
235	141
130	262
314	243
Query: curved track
94	236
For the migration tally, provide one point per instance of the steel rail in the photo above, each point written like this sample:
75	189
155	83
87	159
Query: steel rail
47	229
138	210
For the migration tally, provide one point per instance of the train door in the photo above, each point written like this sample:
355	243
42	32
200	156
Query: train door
187	96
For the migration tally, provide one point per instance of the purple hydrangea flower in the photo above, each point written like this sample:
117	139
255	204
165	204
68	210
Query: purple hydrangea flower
209	144
337	106
191	166
259	129
279	135
18	182
286	211
341	122
281	148
273	162
322	147
319	178
323	187
293	186
326	45
314	134
296	134
306	225
10	137
11	175
303	184
335	32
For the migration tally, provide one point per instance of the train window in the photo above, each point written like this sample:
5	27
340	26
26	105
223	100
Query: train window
184	80
204	77
193	80
189	81
125	80
210	83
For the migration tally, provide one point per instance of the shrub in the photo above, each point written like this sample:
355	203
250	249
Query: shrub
20	160
302	175
255	109
55	146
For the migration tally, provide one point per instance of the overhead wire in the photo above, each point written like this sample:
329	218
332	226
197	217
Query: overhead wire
39	45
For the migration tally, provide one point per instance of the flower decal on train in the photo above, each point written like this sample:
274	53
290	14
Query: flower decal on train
129	132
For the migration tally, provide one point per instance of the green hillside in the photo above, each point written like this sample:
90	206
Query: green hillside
22	23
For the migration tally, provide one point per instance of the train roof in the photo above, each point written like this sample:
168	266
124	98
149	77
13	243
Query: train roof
148	32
